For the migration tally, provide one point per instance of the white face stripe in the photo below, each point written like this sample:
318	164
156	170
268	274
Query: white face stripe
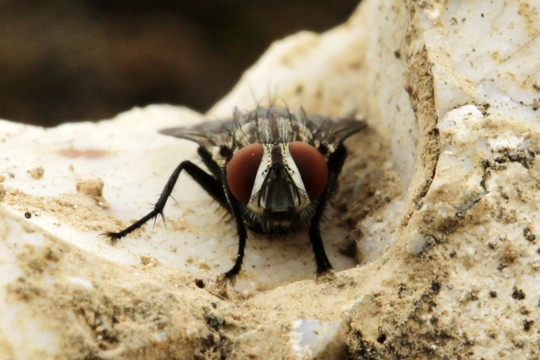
264	169
294	173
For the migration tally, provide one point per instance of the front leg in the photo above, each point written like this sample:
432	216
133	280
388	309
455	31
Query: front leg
209	183
323	264
234	207
335	163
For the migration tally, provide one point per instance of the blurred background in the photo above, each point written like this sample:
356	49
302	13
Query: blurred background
71	60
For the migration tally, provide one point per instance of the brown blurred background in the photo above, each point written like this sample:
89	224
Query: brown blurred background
68	60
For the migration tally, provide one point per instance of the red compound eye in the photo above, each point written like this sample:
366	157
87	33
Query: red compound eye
312	167
242	170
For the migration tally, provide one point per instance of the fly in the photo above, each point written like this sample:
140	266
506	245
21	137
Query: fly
271	169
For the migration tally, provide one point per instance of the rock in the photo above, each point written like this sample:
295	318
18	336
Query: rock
440	196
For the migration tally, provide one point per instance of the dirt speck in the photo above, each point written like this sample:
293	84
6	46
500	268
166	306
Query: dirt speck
149	261
92	188
37	173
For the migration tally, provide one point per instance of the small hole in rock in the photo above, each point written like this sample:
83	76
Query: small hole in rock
381	338
200	283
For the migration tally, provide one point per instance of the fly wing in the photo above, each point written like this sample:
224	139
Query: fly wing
334	131
224	132
206	134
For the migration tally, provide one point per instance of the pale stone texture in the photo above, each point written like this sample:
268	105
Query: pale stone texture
441	192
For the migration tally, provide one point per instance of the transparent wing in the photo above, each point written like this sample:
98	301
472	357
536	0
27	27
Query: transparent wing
334	131
208	133
218	132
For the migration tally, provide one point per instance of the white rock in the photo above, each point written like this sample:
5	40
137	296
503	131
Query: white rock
310	336
449	252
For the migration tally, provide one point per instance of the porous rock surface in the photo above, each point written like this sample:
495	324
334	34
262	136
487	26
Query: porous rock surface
440	196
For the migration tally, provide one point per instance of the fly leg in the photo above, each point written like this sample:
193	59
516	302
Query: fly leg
323	264
228	202
240	230
210	184
335	163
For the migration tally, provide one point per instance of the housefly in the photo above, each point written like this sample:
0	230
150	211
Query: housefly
271	169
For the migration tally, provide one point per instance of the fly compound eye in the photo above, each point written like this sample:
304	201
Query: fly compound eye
242	170
312	167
